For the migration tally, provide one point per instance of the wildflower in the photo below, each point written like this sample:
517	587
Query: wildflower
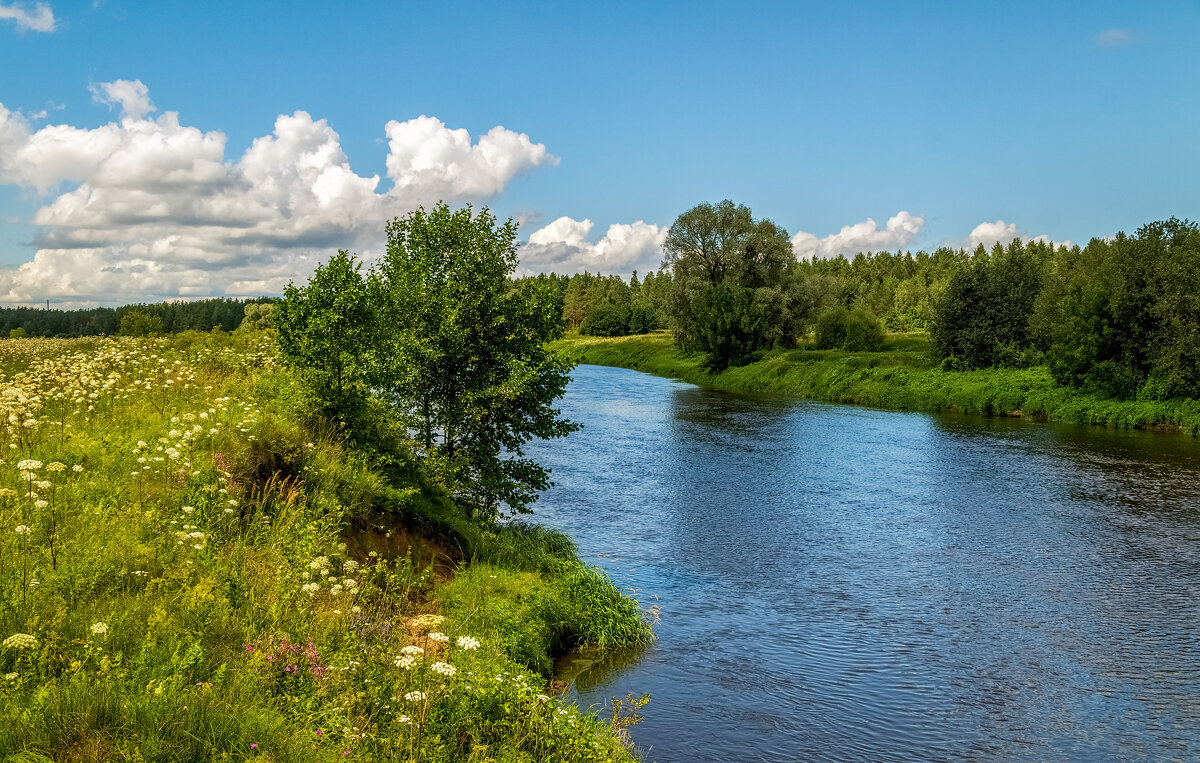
188	509
254	745
55	466
415	696
467	643
440	638
34	582
19	641
41	504
335	590
310	588
77	468
412	649
405	661
100	628
22	530
10	676
29	465
403	719
425	622
320	563
444	669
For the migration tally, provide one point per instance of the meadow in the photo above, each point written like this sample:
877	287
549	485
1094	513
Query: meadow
901	376
192	568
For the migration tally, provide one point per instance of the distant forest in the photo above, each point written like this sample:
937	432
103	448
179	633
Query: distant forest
1120	316
198	315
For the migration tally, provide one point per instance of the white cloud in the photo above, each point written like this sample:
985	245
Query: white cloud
149	209
133	97
36	17
563	247
901	230
1111	38
988	234
424	154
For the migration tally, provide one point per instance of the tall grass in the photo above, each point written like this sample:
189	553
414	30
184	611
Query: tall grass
901	376
191	569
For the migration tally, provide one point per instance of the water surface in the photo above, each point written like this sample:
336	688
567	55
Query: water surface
839	583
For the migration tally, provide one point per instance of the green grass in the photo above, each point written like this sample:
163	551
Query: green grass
901	376
209	574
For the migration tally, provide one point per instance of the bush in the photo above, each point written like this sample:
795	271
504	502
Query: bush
854	330
140	323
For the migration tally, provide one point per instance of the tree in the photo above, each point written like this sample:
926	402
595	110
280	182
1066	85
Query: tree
984	316
1123	317
257	316
723	260
325	332
140	323
464	359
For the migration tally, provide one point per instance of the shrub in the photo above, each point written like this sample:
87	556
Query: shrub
854	330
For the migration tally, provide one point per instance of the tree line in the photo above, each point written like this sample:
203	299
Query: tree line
162	317
1118	316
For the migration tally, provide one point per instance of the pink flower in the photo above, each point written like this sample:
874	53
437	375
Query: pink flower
254	746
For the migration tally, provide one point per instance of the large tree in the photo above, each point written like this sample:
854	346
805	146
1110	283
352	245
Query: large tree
731	292
464	359
325	332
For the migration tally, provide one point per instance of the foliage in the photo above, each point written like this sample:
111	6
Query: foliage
258	316
837	328
1123	316
326	332
464	357
195	315
190	571
984	315
140	323
17	333
731	296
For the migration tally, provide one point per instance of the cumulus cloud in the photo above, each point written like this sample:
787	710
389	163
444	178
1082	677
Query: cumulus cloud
424	154
133	97
901	230
563	247
988	234
1111	38
149	208
35	17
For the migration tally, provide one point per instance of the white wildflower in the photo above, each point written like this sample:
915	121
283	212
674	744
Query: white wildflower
19	641
467	643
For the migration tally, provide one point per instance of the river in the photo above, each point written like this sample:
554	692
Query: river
846	584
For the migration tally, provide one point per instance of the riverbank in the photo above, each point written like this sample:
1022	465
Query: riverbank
901	377
201	571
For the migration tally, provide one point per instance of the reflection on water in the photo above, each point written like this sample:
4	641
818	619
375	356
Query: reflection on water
840	583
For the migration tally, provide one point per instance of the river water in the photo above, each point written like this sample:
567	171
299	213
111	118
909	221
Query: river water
840	583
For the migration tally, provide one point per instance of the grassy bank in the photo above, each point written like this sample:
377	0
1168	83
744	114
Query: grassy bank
192	570
902	377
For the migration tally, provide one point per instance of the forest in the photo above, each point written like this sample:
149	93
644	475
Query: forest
1119	316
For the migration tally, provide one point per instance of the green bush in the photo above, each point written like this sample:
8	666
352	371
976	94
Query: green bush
854	330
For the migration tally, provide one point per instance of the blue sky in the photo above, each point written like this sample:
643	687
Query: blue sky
1067	121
